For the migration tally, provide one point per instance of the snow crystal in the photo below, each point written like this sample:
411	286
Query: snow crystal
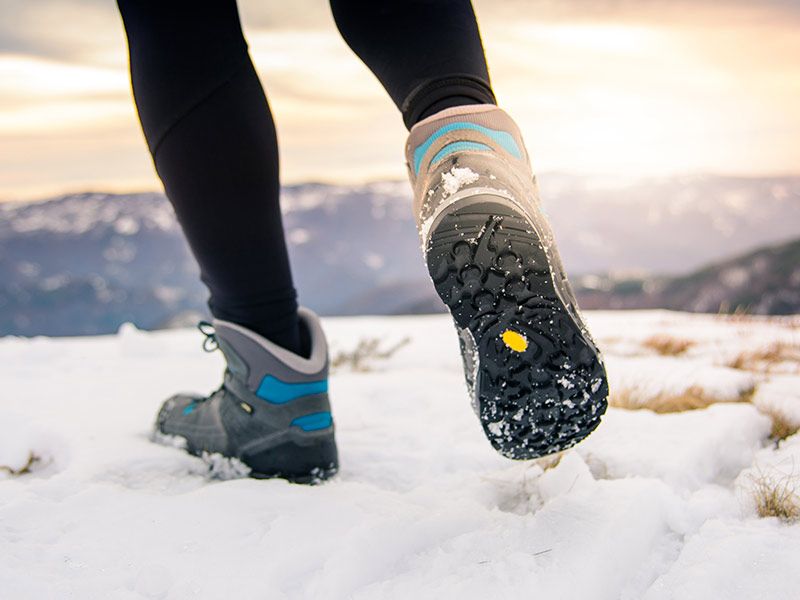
566	383
224	467
496	428
172	441
457	178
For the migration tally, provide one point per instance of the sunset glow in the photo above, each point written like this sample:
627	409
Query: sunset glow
623	94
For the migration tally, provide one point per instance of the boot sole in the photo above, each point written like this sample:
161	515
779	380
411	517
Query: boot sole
304	464
540	383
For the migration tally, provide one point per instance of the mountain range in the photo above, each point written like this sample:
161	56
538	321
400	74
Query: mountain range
764	281
85	263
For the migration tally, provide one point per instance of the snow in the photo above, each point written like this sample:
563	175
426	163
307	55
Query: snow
689	452
456	178
780	465
763	554
780	395
653	506
652	376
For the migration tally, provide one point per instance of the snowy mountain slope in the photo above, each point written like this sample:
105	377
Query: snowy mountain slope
764	281
86	263
651	506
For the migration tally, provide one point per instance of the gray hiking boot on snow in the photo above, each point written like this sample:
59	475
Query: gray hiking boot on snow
536	378
269	418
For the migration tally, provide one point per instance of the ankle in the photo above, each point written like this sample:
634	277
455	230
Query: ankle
288	337
435	95
283	329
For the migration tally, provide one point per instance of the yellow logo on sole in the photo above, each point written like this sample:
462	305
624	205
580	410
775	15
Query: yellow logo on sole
515	341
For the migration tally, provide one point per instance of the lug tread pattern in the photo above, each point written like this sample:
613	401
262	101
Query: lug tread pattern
490	268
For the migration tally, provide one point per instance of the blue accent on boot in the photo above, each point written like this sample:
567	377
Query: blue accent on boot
505	139
275	391
314	421
457	147
189	408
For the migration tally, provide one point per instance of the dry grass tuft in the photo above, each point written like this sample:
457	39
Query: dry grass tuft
667	345
367	351
26	468
782	426
766	360
776	496
693	398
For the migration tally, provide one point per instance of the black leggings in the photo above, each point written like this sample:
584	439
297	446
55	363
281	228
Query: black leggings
212	138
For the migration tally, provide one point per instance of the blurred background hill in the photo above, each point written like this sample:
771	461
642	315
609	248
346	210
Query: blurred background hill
665	135
84	263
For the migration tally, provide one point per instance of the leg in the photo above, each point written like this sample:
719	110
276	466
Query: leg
426	53
211	135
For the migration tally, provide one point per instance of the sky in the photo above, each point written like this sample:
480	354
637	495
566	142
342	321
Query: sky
622	88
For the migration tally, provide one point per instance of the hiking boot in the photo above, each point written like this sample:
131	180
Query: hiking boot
269	418
535	376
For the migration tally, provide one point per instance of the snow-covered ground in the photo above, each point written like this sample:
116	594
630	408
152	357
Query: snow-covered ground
651	506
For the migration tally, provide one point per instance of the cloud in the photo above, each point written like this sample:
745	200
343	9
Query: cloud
85	30
70	31
635	87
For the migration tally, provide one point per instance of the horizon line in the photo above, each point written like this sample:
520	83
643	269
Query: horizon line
622	179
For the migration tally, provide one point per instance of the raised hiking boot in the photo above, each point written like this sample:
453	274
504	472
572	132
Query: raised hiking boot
269	418
536	378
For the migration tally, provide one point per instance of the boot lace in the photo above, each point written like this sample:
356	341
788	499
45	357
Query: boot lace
210	342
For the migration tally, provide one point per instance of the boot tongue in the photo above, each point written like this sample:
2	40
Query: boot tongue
236	365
